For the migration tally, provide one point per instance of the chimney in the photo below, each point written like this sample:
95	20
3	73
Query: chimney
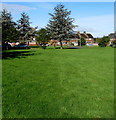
78	33
86	34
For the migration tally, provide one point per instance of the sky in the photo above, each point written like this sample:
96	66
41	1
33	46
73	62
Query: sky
96	18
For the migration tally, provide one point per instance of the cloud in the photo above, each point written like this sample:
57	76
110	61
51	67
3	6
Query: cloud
98	25
81	29
15	8
45	5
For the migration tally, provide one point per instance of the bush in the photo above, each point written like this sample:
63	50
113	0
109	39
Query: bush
81	42
44	46
72	44
102	42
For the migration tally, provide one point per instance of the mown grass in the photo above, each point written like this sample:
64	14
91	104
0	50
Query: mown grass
55	83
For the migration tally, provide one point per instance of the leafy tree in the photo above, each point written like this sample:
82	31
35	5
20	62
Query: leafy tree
9	31
102	42
98	40
26	32
81	42
60	24
42	37
95	40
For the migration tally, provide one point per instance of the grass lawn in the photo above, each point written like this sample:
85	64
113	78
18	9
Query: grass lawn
54	83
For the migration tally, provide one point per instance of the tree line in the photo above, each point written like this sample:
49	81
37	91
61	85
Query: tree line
60	27
16	31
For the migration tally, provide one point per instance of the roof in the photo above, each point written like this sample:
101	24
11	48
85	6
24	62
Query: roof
112	35
79	35
90	36
83	35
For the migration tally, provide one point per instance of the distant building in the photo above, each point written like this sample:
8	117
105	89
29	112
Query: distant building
112	37
74	38
87	36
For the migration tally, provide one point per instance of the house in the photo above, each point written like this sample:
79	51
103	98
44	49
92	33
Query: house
31	42
74	38
87	36
112	37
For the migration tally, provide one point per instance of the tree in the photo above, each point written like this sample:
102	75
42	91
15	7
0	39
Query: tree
60	24
42	36
95	40
102	42
26	32
9	31
81	42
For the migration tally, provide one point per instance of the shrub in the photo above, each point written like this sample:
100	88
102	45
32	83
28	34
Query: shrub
81	42
72	44
102	42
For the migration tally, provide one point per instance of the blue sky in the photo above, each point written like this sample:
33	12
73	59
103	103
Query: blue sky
96	18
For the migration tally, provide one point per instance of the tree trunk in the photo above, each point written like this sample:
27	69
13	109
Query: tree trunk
28	43
61	45
54	44
7	48
23	39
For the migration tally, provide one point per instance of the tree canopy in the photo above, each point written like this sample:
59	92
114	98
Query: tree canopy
81	42
60	24
26	31
42	36
102	42
9	31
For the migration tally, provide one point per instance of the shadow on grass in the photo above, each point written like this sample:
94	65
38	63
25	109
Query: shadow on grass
73	48
65	47
16	54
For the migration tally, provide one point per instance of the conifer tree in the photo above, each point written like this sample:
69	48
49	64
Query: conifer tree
9	31
26	31
23	26
60	24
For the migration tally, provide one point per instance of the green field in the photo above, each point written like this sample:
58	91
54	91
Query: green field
55	83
